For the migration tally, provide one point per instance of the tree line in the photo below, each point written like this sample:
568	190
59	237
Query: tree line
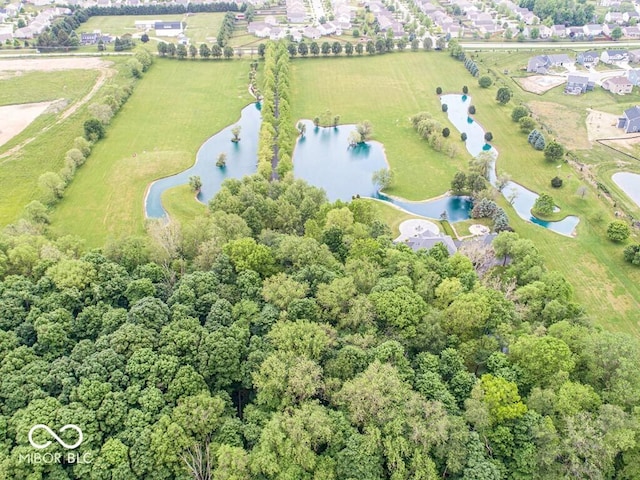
282	336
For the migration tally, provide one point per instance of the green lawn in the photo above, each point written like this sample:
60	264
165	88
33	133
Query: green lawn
181	205
19	172
387	91
174	109
391	215
201	27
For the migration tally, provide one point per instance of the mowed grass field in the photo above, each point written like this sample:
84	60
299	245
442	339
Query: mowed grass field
388	89
173	110
19	171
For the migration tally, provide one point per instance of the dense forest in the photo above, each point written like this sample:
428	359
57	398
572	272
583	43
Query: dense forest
284	337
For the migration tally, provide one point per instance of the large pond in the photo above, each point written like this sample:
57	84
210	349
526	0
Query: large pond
241	161
629	183
520	197
324	158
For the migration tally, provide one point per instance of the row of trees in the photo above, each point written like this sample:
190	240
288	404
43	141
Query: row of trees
432	131
164	9
204	51
226	29
277	132
53	184
283	336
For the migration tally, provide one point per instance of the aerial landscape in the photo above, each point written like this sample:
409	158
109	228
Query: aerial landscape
319	239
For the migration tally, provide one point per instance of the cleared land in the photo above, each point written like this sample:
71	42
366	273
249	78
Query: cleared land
539	83
15	118
176	107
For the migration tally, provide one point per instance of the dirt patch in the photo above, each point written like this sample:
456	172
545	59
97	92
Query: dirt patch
540	83
51	64
603	125
567	125
15	118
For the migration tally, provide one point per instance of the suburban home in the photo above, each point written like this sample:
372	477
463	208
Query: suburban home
592	30
559	31
575	32
631	32
259	29
578	84
634	76
168	29
613	56
634	56
23	33
427	240
618	85
145	24
311	32
630	120
588	58
628	16
542	63
614	17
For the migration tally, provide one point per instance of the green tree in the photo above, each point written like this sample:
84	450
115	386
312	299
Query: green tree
616	34
485	81
93	130
553	151
527	124
382	178
504	95
544	204
519	112
618	231
195	183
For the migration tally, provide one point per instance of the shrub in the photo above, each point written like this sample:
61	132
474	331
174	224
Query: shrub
445	132
465	89
445	107
472	109
553	151
488	136
632	254
519	112
485	81
504	95
439	91
463	137
485	208
93	130
556	182
618	231
527	124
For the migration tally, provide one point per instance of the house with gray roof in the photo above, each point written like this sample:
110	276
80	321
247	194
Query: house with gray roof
613	56
630	120
542	63
588	58
427	240
578	84
618	85
634	76
634	56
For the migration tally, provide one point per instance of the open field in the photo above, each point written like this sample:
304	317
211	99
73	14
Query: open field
387	91
201	27
176	107
180	204
40	147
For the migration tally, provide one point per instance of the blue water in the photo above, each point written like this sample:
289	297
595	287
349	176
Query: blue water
241	161
323	158
629	183
520	197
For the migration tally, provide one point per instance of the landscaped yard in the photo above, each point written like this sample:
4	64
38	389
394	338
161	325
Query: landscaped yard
175	108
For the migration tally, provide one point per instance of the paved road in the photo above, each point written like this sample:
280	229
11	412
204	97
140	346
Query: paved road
546	45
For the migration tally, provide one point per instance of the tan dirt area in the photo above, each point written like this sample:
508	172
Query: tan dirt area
539	83
13	123
15	118
601	125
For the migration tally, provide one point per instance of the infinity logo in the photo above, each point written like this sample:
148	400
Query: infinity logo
56	437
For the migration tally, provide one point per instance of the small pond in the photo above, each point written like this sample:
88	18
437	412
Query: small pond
629	183
520	197
241	161
324	158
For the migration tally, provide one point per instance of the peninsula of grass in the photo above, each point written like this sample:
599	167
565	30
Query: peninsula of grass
19	171
391	215
181	205
173	110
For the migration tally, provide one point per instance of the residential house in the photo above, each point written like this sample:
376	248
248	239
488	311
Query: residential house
618	85
592	30
542	63
608	28
578	84
630	120
631	32
614	56
6	36
575	32
311	32
168	29
23	33
559	31
12	10
628	16
143	25
428	239
277	33
634	56
614	17
634	76
259	29
588	59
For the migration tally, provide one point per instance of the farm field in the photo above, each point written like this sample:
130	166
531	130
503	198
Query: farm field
171	113
19	171
387	89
